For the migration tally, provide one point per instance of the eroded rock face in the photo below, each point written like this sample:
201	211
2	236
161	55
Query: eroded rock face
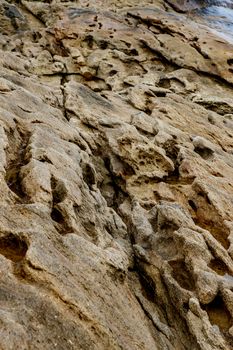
116	165
186	5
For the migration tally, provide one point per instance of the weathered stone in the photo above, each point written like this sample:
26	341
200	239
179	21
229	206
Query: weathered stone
115	177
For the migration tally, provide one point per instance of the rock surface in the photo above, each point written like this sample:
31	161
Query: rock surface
116	165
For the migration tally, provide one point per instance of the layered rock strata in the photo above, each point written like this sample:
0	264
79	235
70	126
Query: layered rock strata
116	165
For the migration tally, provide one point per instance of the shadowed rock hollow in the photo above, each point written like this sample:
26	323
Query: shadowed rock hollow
116	166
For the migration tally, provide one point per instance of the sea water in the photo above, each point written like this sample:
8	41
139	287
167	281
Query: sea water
218	15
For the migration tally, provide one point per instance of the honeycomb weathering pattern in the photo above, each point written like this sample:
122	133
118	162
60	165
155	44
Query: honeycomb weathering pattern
116	166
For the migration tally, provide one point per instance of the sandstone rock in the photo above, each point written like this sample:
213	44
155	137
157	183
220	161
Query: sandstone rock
115	177
186	5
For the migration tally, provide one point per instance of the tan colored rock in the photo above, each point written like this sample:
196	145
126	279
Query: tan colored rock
115	178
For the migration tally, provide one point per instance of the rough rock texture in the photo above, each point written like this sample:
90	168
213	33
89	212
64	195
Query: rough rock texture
184	5
116	165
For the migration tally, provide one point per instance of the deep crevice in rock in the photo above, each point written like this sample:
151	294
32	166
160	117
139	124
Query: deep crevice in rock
57	215
219	314
219	267
17	158
13	247
181	274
